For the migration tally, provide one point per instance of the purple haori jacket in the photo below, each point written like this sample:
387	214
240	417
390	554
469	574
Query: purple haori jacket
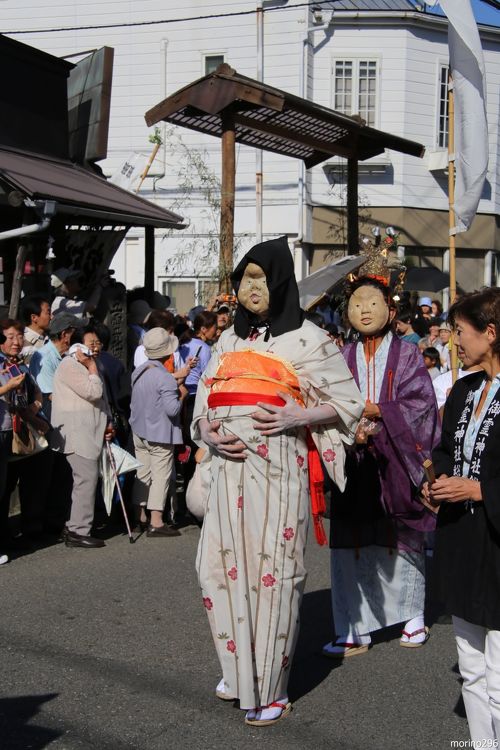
410	430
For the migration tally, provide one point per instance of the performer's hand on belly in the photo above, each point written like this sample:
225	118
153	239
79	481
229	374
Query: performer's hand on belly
271	420
227	445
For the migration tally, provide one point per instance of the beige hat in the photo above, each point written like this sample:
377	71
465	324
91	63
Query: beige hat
445	327
158	343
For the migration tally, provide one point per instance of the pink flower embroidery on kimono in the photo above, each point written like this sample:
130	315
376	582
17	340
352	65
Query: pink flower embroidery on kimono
288	533
207	602
231	646
262	450
300	461
329	455
268	580
233	573
239	502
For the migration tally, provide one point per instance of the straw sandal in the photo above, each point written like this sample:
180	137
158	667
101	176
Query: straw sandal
408	644
285	710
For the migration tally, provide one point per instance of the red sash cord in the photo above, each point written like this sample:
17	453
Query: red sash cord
318	505
316	479
241	399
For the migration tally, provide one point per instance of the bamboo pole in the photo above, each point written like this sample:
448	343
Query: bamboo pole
151	159
451	216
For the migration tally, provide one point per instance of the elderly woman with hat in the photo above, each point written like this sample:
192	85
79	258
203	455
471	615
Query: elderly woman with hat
154	419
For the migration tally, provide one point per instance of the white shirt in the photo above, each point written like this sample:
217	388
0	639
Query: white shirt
444	382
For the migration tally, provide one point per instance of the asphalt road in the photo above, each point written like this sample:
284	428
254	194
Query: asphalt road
109	649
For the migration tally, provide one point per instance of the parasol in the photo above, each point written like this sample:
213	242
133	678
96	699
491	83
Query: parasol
322	281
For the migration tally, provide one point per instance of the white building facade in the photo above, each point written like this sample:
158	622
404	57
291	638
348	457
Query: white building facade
388	64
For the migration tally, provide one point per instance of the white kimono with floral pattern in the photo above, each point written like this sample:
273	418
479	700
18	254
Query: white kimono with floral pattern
250	559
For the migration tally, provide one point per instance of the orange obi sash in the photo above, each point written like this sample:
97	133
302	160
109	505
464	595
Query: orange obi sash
247	377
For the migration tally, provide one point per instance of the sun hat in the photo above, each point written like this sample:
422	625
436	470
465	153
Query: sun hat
158	343
139	311
61	275
62	321
194	312
445	327
425	301
161	301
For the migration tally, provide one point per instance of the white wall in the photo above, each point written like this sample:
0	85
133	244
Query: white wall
153	61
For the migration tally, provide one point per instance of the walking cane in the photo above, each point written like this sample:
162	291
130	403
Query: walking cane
118	487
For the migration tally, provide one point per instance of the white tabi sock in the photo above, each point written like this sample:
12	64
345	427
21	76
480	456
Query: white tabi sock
417	623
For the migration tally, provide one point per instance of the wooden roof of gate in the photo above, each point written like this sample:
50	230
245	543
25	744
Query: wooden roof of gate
274	120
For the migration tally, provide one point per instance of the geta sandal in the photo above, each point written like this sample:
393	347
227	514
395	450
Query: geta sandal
408	644
350	649
285	710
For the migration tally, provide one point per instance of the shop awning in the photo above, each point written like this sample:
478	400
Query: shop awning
81	195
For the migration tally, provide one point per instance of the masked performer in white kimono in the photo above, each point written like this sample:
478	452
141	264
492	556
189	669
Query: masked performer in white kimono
275	397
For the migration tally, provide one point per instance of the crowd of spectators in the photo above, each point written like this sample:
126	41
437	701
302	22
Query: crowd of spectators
67	386
61	386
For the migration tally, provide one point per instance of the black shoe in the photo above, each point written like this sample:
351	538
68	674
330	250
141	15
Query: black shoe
79	540
161	531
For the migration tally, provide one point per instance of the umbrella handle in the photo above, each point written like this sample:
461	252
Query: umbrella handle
119	489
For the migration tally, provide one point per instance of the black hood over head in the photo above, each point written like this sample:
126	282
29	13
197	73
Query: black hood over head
285	313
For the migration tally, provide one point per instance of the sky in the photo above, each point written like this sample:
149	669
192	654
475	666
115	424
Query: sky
484	13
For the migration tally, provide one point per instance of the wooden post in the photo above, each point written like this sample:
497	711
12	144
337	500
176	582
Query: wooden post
352	207
451	216
227	201
149	263
22	254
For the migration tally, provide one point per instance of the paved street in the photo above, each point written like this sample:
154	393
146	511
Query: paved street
110	650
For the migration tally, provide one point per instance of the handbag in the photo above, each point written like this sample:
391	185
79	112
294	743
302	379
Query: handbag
26	441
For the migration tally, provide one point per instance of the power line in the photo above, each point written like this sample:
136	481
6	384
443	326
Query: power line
493	3
163	21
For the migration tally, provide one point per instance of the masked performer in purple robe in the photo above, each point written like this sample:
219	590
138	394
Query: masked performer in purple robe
378	523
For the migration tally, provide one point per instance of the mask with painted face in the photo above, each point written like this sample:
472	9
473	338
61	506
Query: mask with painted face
253	292
368	311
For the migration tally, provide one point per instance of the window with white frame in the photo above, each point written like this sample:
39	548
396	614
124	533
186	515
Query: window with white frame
355	86
443	120
188	292
212	62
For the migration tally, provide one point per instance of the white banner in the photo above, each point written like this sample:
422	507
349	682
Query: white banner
471	127
128	173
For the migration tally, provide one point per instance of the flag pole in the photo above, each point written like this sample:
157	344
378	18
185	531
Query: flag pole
451	215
